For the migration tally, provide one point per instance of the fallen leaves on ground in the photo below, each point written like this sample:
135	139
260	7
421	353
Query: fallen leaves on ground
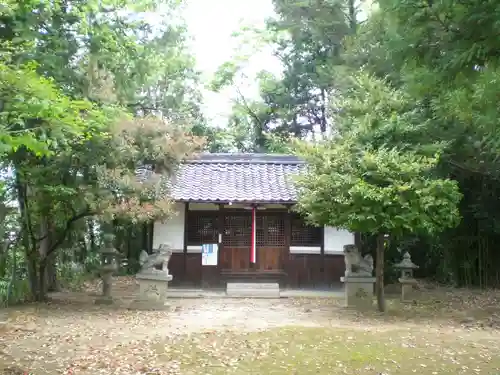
443	331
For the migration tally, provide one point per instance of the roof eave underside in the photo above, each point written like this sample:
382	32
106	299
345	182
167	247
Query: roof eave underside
284	202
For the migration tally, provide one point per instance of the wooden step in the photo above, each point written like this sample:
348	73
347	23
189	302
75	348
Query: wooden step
253	290
250	276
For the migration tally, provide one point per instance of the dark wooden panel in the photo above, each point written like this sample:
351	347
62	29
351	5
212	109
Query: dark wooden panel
210	276
309	270
334	268
176	268
193	269
235	258
238	258
270	258
301	270
225	258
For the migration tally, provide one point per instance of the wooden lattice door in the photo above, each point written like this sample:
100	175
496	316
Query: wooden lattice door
236	239
270	236
271	241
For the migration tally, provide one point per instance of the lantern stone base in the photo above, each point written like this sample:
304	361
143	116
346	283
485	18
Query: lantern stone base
105	298
152	291
407	288
358	290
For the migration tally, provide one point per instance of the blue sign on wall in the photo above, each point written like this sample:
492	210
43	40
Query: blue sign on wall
209	254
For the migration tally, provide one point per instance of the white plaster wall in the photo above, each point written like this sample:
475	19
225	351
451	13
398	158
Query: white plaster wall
171	230
305	249
335	239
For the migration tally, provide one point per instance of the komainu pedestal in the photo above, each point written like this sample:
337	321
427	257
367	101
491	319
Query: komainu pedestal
358	291
152	291
153	280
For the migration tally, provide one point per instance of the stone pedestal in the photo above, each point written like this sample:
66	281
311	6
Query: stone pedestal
358	290
407	288
152	291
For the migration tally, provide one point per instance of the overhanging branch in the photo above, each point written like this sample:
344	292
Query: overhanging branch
69	225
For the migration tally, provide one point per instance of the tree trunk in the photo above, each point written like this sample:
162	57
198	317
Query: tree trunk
91	231
379	272
353	22
32	276
3	265
26	234
83	248
42	284
3	241
43	252
323	111
51	274
13	275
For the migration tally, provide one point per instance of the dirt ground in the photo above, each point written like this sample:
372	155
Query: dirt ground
71	335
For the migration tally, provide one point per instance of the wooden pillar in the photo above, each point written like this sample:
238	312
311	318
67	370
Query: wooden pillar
220	232
288	237
322	252
253	266
184	257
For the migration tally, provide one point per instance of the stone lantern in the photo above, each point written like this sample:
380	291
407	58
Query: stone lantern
407	280
109	265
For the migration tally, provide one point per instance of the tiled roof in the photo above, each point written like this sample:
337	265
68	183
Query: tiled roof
237	178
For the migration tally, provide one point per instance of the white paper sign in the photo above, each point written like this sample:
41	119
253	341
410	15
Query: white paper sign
209	254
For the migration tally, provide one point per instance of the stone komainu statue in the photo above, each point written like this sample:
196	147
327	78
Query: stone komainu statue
156	262
355	264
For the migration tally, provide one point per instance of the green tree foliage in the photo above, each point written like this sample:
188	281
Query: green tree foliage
375	178
91	91
86	166
436	93
414	77
35	115
247	125
307	37
376	190
449	74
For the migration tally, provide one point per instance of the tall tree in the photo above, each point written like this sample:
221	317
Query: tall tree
307	39
357	183
428	50
71	146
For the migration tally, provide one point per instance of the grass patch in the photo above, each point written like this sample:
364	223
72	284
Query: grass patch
295	350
